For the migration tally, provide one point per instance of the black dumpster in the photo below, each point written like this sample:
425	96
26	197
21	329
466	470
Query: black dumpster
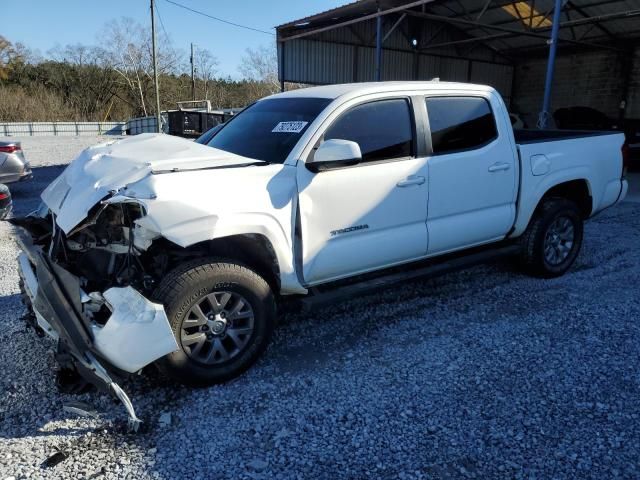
190	124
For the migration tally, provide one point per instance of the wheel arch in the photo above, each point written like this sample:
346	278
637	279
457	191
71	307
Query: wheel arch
254	250
257	240
576	189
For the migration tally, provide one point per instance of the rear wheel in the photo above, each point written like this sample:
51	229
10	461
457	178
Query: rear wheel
553	238
222	315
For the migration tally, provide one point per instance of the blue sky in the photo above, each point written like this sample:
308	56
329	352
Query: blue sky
41	24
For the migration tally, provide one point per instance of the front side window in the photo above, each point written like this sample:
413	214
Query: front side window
460	123
383	129
269	129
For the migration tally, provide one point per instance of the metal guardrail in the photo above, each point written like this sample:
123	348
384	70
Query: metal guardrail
23	129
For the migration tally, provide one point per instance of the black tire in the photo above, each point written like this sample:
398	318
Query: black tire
188	284
534	240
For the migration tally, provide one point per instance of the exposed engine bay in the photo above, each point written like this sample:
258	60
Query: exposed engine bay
101	251
91	291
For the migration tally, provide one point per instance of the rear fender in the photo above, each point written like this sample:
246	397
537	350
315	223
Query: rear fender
538	186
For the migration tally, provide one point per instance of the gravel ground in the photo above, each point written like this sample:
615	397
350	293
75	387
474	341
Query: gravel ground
484	373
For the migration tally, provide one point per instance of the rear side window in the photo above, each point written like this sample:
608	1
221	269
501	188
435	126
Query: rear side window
460	123
383	129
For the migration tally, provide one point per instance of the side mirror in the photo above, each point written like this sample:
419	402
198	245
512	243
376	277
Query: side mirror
335	153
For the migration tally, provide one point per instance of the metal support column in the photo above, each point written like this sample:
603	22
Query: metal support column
282	87
379	47
553	47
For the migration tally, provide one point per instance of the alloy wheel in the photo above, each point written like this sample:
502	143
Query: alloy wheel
559	240
217	328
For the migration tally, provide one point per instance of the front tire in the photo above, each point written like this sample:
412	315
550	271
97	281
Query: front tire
222	315
553	238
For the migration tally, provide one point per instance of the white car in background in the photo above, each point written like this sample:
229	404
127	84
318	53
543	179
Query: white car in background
14	167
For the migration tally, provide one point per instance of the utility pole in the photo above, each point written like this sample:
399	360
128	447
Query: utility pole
193	75
155	65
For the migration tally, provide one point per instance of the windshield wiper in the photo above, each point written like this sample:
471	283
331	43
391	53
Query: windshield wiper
216	167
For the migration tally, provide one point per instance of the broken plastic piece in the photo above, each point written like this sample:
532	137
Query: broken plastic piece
133	318
55	459
81	408
134	422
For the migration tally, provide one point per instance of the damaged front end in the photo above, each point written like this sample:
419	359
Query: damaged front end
89	290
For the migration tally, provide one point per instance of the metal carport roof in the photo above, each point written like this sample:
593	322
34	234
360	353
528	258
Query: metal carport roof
493	31
505	26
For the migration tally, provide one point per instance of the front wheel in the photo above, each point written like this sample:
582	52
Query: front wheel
222	315
553	238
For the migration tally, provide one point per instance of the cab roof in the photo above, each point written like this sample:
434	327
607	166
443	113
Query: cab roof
357	89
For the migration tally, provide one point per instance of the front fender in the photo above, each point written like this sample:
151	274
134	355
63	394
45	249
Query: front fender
211	227
191	207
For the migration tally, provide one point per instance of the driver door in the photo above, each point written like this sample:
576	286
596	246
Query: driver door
372	215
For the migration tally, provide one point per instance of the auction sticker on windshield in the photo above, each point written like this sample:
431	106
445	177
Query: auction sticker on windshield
289	127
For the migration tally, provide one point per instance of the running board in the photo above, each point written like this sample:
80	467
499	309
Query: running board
342	293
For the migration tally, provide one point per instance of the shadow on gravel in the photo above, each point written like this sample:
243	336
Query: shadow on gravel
362	317
26	195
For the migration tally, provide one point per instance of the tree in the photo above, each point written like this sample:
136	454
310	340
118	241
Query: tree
25	54
76	54
128	53
115	80
78	74
206	66
8	56
261	65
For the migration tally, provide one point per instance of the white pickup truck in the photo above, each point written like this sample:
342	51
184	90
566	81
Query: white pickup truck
155	249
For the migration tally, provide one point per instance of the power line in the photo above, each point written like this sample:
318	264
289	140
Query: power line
218	19
166	35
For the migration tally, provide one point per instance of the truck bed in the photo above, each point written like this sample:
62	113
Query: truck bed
524	136
553	157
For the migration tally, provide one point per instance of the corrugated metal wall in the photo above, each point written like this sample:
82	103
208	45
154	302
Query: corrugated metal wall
347	54
318	62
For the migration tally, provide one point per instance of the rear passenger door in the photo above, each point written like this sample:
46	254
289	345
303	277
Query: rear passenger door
472	173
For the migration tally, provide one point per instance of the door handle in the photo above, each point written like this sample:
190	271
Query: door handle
411	180
496	167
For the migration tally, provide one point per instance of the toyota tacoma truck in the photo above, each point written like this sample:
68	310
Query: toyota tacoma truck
158	250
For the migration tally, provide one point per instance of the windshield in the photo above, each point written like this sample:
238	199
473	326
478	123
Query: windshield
269	129
206	136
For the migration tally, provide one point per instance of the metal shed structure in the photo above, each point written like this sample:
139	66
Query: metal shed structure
479	41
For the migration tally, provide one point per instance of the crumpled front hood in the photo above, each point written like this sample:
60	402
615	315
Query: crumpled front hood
109	167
